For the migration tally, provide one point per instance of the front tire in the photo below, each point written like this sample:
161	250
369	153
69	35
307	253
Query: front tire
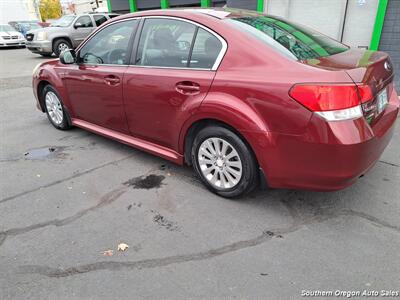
224	163
55	109
61	45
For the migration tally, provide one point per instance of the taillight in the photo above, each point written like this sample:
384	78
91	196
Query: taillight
365	93
330	101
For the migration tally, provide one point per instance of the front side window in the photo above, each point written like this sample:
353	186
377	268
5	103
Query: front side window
165	43
205	50
99	19
84	21
109	46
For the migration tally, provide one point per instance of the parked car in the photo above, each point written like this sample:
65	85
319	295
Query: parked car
16	24
10	37
243	97
24	26
65	33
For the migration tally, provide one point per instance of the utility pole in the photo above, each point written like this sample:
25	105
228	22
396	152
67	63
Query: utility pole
37	10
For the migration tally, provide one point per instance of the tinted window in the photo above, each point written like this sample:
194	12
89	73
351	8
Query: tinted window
165	43
110	45
290	39
205	50
99	19
85	21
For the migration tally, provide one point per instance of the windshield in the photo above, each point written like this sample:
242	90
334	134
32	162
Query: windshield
29	26
292	40
6	28
63	21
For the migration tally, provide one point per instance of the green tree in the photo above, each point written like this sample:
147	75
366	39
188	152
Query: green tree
50	9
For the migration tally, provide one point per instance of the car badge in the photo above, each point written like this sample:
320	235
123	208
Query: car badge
387	66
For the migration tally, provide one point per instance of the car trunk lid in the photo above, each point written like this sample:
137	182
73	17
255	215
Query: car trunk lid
366	68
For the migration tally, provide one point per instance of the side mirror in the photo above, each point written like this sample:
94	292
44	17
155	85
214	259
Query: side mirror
68	57
78	25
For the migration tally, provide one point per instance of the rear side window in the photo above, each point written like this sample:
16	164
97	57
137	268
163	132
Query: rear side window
292	40
99	19
165	43
205	50
84	21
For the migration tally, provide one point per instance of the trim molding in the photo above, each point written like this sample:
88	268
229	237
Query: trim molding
260	6
129	140
379	20
109	6
132	6
205	3
164	4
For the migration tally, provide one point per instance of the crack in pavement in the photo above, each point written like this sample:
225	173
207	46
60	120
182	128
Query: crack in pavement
389	163
104	200
63	180
107	199
298	223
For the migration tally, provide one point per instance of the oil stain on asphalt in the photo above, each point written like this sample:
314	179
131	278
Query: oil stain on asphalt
146	182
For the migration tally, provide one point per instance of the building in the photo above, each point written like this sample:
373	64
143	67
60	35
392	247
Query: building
83	6
369	24
19	10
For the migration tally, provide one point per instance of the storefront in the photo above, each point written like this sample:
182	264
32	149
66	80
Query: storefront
124	6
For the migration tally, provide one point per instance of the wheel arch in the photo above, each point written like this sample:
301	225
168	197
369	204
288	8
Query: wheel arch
201	123
40	87
49	77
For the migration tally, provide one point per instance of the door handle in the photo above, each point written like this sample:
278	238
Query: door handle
187	88
112	80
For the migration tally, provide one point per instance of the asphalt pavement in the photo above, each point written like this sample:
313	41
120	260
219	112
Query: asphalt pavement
68	197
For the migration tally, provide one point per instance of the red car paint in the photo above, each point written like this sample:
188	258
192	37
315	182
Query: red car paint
294	147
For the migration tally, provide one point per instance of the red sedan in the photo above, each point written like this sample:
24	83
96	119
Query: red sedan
243	97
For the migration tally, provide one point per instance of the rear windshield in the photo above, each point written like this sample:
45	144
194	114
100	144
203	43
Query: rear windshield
292	40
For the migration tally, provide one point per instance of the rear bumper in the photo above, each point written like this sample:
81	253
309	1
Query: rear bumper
329	156
39	47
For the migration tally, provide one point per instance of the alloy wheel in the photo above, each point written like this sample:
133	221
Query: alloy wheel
54	108
62	47
220	163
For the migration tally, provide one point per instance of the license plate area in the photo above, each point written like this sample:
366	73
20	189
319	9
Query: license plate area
382	101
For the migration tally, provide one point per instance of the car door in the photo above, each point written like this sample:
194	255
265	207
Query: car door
94	84
82	27
170	75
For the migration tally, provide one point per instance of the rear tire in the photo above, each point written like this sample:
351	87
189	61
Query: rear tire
224	163
55	110
61	45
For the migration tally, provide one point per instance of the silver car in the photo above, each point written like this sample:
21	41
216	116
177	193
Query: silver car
10	37
65	33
